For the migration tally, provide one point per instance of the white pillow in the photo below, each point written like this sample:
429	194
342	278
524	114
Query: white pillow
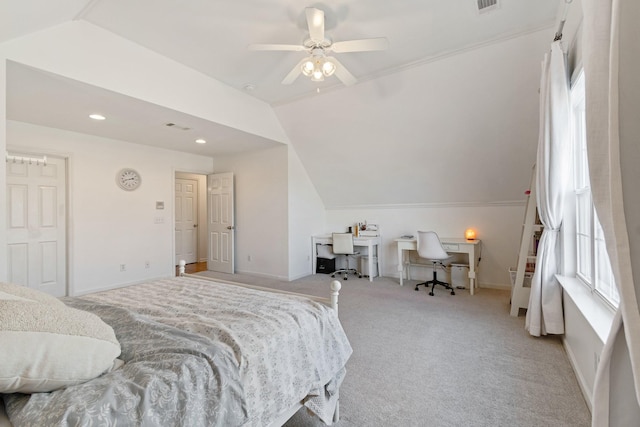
45	345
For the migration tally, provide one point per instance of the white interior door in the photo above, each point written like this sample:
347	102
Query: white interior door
186	220
220	226
36	225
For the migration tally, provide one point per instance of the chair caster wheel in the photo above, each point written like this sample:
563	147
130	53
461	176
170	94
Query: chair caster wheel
416	288
346	278
431	293
360	277
453	293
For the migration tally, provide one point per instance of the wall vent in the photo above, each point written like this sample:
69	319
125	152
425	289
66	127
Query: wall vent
487	5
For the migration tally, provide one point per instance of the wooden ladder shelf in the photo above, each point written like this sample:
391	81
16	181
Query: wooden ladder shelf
520	289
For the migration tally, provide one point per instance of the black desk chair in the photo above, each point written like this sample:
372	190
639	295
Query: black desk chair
429	247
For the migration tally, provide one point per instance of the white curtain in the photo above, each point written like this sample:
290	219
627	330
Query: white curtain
617	386
544	314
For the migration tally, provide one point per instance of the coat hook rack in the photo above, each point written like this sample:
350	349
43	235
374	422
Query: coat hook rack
31	160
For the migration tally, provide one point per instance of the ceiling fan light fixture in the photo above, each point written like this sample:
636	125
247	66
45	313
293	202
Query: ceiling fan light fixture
307	68
317	65
328	68
318	75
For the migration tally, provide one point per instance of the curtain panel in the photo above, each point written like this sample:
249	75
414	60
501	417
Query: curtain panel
616	395
545	314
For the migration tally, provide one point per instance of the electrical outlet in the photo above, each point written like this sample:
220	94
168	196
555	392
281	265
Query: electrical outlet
147	264
123	267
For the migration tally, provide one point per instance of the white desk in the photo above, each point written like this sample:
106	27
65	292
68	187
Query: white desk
370	242
451	245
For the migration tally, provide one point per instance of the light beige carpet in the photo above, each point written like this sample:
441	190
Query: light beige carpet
443	360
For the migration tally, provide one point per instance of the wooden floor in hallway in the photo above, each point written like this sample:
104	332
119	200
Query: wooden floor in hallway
194	267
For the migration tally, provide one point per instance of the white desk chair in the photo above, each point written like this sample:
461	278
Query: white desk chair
429	247
343	245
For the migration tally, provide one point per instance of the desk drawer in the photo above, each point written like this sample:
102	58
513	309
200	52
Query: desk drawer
451	247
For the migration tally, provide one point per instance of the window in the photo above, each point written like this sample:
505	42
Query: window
592	263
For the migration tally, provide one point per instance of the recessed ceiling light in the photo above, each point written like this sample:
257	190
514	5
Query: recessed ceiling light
201	141
97	116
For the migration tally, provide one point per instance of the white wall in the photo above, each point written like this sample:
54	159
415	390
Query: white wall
444	145
307	217
497	226
365	145
463	128
261	219
108	226
83	52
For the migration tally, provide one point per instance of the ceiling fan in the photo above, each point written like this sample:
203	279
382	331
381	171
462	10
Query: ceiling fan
318	65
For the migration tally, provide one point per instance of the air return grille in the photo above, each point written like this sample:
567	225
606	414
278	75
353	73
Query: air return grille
487	5
175	126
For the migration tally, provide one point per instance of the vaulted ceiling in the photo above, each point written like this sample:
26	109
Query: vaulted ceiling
211	37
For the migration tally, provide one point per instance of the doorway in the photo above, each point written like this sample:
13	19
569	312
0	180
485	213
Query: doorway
190	217
204	216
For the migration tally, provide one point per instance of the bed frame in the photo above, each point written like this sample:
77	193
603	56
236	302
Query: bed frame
332	301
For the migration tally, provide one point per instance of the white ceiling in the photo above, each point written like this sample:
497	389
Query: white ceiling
35	96
211	36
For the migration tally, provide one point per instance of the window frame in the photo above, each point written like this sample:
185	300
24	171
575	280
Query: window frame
592	265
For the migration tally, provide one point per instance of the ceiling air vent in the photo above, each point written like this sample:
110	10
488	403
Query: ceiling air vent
487	5
173	125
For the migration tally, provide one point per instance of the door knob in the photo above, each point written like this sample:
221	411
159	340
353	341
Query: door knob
195	225
229	227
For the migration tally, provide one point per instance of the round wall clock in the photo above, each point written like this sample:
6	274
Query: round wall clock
128	179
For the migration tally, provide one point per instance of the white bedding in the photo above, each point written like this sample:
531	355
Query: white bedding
184	339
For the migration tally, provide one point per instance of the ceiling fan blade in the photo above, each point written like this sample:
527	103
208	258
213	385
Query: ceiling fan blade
342	73
294	73
364	45
315	22
288	47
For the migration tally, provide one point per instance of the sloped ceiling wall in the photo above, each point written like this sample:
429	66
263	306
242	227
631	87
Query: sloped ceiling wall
462	129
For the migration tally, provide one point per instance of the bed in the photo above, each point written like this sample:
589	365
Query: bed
201	352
